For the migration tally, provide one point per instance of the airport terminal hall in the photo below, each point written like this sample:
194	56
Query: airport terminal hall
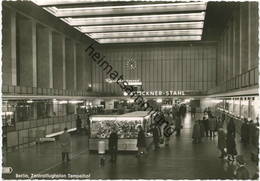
130	89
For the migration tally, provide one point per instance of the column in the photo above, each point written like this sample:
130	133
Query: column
234	45
249	35
75	65
63	63
240	40
50	59
34	54
13	48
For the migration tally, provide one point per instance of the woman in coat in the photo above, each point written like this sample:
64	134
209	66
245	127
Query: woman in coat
231	146
141	143
65	144
222	142
196	134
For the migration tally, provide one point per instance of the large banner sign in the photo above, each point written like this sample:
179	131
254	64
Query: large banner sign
160	93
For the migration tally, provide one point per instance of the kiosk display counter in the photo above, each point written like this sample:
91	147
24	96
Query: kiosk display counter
126	126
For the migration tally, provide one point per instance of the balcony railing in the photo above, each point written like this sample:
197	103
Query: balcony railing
22	90
244	80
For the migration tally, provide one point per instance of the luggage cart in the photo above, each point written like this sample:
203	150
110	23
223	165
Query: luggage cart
101	152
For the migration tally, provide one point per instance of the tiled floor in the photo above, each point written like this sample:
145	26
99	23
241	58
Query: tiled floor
182	160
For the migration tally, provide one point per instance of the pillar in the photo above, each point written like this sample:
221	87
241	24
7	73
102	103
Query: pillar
13	48
249	35
50	59
75	65
63	63
34	54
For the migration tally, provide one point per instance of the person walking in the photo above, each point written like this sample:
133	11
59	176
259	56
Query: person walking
193	112
202	129
169	120
231	128
141	143
222	142
244	132
113	145
231	146
155	130
250	131
220	123
65	143
206	125
178	125
78	124
212	125
196	134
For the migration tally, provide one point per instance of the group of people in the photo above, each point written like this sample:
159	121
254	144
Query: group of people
206	127
174	118
249	132
86	125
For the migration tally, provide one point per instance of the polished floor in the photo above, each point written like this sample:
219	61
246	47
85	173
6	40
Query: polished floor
181	160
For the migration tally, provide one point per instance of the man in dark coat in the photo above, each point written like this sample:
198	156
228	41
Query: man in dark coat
231	146
178	125
65	143
112	144
251	132
78	124
202	128
141	143
244	132
196	134
193	112
231	128
156	136
222	142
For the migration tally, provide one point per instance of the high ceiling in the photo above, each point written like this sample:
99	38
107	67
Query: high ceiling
123	21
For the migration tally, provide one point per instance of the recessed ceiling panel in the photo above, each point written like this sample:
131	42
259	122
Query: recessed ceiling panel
126	21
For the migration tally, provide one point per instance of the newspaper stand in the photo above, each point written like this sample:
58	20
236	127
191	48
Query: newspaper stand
101	152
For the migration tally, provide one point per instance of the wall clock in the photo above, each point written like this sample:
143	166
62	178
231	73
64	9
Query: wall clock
131	64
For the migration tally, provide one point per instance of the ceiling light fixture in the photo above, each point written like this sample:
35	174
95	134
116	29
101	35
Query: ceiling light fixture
131	9
62	2
146	33
137	19
142	27
149	39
